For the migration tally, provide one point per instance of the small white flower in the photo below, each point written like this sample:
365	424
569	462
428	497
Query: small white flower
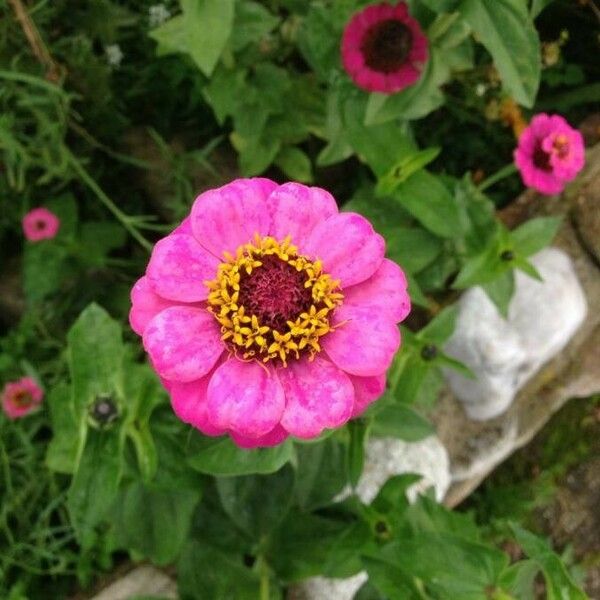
480	89
114	54
158	14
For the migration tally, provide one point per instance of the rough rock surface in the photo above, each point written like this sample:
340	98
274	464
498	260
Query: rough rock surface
504	353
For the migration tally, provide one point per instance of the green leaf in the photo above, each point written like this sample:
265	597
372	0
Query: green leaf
98	238
205	571
537	6
68	431
413	248
501	290
506	29
171	36
404	169
95	356
559	585
307	545
208	27
430	202
257	503
220	456
415	292
519	579
44	269
535	234
402	422
295	164
154	523
390	579
252	22
441	327
256	154
320	473
95	484
356	450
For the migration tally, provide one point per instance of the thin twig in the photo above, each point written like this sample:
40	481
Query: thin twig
54	70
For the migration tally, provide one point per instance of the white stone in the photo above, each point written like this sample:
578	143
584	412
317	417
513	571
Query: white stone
327	588
505	353
387	457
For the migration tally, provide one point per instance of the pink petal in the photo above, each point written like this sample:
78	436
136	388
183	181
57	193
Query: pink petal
296	209
318	396
145	304
348	247
364	343
273	438
189	403
246	398
178	268
225	218
184	342
384	292
366	391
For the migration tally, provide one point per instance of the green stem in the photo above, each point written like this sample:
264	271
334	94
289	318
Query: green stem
503	173
264	579
112	207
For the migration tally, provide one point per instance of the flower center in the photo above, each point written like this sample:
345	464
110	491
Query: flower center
22	399
541	159
272	302
40	225
561	146
386	45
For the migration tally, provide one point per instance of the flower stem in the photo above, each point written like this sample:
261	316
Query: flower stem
499	175
125	220
264	579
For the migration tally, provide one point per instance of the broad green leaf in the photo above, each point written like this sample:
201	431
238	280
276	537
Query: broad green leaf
95	356
252	22
390	579
295	164
257	503
307	545
45	268
205	571
415	292
208	27
501	290
404	169
425	197
320	473
535	234
402	422
97	239
506	29
68	431
171	36
95	484
537	6
413	248
220	456
255	154
440	328
519	579
559	585
154	523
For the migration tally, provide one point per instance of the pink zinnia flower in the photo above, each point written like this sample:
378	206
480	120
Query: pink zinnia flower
20	397
384	48
549	154
40	224
268	313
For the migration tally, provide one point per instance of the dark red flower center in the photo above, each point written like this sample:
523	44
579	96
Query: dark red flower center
386	45
541	159
275	293
22	399
40	225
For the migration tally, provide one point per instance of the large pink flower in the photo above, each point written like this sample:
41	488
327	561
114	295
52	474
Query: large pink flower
549	154
20	397
384	48
268	313
40	224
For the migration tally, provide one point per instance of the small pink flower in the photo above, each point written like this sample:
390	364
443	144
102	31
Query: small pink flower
384	48
40	224
549	154
21	397
267	313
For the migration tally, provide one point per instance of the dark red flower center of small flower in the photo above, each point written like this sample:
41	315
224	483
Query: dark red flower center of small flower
386	45
40	225
541	159
22	399
275	293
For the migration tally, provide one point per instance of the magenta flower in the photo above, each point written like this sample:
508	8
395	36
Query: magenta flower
384	48
267	313
40	224
549	154
20	397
